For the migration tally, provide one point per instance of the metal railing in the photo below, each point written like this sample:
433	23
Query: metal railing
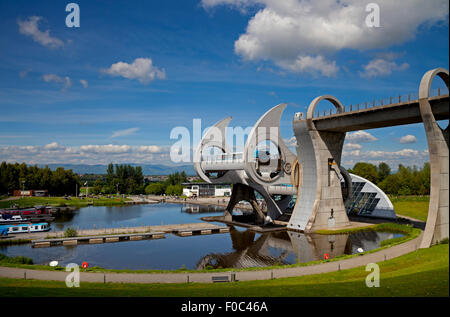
375	103
224	158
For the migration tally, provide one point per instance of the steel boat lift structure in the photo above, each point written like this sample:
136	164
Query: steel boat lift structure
251	170
278	177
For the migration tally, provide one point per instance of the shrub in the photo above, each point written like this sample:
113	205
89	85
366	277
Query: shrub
70	232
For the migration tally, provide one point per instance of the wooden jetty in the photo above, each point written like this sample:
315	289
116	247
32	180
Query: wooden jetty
200	231
96	239
108	235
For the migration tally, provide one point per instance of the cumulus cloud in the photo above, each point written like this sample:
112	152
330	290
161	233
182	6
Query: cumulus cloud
109	148
309	64
30	27
66	82
125	132
150	149
408	139
85	154
141	69
52	146
352	146
296	33
381	67
84	83
360	136
408	157
405	153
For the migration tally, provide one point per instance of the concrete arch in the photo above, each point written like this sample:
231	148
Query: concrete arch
313	105
437	227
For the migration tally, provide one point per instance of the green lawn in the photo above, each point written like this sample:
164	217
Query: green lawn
411	206
421	273
60	201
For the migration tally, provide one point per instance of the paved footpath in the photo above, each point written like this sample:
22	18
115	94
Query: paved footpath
326	267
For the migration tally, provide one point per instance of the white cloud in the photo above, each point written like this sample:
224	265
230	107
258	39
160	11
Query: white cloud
85	154
352	146
395	154
84	83
30	27
141	69
65	81
150	149
360	136
406	157
381	67
296	33
312	65
125	132
52	146
109	148
28	148
408	139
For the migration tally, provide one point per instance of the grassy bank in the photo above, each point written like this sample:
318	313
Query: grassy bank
411	206
60	202
421	273
381	227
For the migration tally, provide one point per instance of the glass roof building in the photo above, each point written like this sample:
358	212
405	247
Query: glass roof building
368	200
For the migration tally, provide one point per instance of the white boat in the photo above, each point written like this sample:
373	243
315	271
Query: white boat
12	219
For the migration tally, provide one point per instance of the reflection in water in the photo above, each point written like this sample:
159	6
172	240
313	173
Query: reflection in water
248	252
239	248
134	215
202	209
195	209
288	248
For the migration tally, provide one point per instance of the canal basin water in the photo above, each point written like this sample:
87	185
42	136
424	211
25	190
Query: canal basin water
237	249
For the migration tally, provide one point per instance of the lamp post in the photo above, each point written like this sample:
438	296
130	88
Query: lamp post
117	186
23	188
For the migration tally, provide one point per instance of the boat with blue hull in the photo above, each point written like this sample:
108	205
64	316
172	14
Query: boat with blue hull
24	228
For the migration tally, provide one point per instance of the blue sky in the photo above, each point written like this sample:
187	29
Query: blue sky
65	97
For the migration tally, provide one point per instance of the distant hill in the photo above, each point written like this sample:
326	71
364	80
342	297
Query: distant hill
147	169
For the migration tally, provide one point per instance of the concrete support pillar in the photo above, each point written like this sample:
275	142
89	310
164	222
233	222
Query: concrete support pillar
319	202
437	227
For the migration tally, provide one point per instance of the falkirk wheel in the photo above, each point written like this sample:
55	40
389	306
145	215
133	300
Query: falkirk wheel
325	192
278	175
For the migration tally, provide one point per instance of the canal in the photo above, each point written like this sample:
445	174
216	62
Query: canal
237	249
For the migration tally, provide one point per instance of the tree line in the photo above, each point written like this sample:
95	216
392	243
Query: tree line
124	179
171	186
120	178
58	183
127	179
406	181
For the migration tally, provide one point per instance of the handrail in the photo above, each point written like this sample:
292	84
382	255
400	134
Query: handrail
375	103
